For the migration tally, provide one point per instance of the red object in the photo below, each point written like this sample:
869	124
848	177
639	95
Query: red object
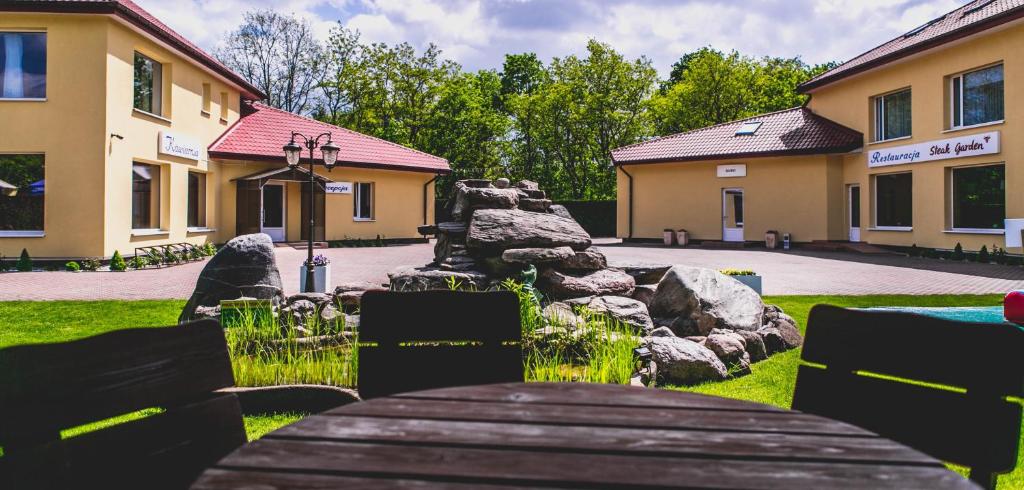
1013	307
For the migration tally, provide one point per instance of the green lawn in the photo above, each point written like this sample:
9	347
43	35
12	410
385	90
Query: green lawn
772	381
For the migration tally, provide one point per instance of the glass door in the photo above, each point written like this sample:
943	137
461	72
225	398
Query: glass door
853	204
273	209
732	215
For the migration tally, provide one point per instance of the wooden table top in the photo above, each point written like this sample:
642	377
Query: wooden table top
572	435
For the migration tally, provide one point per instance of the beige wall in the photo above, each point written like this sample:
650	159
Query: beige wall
787	194
849	102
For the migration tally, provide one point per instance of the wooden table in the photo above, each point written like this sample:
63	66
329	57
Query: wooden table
572	435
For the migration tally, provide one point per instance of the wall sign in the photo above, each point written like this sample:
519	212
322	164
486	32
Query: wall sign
179	145
338	187
959	147
734	170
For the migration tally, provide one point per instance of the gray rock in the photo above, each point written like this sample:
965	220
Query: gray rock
468	199
300	312
502	183
204	312
590	259
535	205
560	314
703	299
644	293
492	231
755	345
605	282
330	315
560	210
700	339
532	194
729	348
644	273
626	310
475	183
318	299
662	332
683	362
527	184
424	278
781	336
537	255
244	266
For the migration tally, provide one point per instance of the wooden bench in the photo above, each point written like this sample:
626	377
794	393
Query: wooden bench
432	339
46	388
973	425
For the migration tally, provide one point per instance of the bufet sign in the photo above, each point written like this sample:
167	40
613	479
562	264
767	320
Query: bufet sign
959	147
179	145
338	187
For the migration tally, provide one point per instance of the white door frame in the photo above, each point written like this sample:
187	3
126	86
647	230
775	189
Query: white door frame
854	234
731	234
277	234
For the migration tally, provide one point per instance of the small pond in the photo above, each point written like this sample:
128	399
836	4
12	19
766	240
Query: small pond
979	314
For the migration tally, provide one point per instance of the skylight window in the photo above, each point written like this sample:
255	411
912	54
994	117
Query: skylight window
922	27
748	128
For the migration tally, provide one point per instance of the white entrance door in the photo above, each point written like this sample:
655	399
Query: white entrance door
853	204
273	211
732	215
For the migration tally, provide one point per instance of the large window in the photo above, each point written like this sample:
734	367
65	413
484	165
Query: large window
892	116
196	200
894	200
22	188
145	196
22	65
977	97
363	201
149	76
979	197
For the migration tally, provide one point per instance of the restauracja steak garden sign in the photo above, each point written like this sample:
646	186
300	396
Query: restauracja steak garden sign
963	146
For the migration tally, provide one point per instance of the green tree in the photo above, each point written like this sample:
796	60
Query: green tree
117	262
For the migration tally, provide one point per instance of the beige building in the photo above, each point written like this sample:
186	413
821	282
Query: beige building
912	142
116	133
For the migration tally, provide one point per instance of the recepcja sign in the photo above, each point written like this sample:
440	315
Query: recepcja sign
959	147
179	146
338	187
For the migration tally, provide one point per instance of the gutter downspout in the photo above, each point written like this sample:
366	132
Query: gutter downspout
426	206
623	169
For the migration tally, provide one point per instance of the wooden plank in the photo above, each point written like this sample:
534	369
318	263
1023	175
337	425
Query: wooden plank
214	479
636	417
384	372
587	394
392	317
48	387
532	468
605	440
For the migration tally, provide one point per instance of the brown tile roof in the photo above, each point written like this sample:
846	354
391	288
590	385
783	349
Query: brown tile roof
974	17
796	131
137	16
262	130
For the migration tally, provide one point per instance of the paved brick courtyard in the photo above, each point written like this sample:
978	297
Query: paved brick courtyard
784	272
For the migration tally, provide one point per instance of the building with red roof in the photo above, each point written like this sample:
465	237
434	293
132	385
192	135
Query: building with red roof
910	143
116	132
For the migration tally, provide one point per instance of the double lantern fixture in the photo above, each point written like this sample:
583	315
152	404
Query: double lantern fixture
293	156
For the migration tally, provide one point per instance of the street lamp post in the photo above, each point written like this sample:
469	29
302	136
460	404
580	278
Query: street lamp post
293	155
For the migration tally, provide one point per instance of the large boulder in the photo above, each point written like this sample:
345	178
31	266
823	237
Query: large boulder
426	278
644	273
537	255
700	300
244	266
492	231
683	362
560	314
605	282
590	259
626	310
468	199
779	336
560	210
644	293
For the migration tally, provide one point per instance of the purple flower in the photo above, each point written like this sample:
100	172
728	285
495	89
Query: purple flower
320	260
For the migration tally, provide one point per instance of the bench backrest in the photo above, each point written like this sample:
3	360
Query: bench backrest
978	427
432	339
46	388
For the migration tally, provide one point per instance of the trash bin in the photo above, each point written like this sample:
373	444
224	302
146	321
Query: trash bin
771	239
682	237
785	241
670	236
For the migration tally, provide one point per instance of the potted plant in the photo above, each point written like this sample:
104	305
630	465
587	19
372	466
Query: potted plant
747	277
670	236
321	274
682	237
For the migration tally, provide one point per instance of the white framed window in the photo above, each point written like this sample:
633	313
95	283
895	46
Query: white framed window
22	194
196	200
894	200
145	196
976	97
149	75
978	197
23	65
892	115
363	201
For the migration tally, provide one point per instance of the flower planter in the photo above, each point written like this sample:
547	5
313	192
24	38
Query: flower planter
669	237
321	278
771	239
753	282
682	238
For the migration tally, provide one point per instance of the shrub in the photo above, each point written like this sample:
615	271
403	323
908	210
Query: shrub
210	249
983	256
117	262
154	257
90	265
958	253
998	255
914	251
24	262
738	272
139	262
196	253
72	266
169	256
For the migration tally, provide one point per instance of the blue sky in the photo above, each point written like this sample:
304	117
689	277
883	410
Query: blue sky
477	33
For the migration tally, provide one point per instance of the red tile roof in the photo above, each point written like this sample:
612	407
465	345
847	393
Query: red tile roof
796	131
976	16
262	130
137	16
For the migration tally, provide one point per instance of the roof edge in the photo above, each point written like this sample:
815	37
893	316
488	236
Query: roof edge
319	161
733	156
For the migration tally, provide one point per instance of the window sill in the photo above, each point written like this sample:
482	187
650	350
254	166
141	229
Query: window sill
204	113
891	228
982	125
22	234
151	115
21	99
975	231
150	232
200	229
223	121
890	140
364	220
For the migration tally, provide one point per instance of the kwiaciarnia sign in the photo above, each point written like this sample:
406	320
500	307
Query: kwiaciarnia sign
959	147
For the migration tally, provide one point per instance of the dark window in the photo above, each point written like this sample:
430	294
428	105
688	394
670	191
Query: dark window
855	207
22	188
22	65
978	96
892	116
145	196
363	201
979	197
893	200
148	84
196	200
